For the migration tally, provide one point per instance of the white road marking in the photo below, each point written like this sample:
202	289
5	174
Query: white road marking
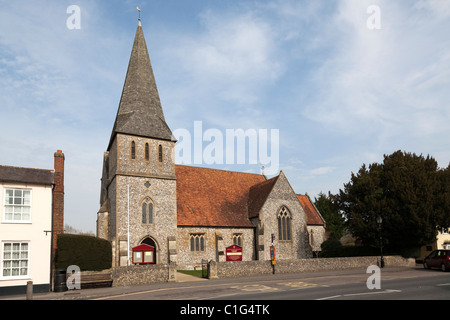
359	294
443	284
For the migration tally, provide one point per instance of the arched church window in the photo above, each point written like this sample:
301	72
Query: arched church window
160	153
237	239
133	150
284	224
147	211
197	242
147	152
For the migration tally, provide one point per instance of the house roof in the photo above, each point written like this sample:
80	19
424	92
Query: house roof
313	215
140	112
258	195
214	198
26	175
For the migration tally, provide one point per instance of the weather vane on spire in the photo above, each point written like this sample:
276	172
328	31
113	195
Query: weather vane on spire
139	13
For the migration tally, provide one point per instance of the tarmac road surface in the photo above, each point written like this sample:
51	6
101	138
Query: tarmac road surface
395	284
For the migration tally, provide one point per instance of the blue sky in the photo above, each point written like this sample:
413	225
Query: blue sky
340	93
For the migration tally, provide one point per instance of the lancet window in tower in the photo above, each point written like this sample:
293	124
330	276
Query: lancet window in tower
160	153
133	150
147	211
147	152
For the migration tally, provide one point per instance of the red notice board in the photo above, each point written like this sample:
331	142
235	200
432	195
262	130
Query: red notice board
143	254
234	253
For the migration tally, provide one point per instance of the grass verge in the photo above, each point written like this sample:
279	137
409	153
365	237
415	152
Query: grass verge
197	273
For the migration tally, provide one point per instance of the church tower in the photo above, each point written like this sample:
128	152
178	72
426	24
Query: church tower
138	187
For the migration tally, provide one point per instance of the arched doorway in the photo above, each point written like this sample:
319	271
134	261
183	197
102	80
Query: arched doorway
149	241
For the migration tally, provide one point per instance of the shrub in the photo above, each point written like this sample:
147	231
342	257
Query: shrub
332	248
87	252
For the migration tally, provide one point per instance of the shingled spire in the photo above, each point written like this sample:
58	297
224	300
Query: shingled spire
140	112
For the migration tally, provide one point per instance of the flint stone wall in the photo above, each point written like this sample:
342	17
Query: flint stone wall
143	274
254	268
147	274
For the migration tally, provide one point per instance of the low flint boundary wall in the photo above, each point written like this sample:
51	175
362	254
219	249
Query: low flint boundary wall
143	274
254	268
146	274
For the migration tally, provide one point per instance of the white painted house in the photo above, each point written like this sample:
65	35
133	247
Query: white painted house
26	209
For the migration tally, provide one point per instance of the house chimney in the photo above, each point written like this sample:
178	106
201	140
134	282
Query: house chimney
58	198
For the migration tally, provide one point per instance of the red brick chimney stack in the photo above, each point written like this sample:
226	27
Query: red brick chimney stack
58	198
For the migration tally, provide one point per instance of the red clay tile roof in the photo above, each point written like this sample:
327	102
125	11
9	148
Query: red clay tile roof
258	195
213	198
217	198
313	216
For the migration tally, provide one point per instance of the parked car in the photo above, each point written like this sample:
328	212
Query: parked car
438	259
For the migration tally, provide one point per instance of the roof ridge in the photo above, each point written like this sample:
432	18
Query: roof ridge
215	169
266	181
16	167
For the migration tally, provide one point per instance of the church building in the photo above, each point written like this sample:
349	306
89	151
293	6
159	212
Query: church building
189	214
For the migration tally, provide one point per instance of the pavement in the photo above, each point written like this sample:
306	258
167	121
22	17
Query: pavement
86	294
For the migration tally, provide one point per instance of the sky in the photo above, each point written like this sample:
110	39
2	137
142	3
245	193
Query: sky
344	82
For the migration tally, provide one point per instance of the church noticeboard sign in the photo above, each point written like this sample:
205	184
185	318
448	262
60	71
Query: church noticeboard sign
234	253
143	254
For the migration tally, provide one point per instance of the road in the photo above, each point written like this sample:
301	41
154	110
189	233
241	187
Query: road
396	284
415	288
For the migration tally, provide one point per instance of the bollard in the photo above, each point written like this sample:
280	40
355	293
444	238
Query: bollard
29	290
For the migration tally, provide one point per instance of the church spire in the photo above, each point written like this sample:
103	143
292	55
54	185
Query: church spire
140	112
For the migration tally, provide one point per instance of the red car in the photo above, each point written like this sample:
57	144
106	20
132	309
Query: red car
438	259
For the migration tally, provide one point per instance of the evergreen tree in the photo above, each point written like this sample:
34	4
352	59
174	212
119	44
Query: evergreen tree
361	202
409	192
330	212
409	184
443	198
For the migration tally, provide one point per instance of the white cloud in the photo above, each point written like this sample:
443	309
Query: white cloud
52	92
384	79
322	170
440	9
237	48
227	63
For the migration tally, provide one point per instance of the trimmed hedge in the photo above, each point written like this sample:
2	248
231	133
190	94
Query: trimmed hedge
333	248
86	252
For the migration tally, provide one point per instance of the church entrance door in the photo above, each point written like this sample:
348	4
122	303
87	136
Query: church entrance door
149	241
